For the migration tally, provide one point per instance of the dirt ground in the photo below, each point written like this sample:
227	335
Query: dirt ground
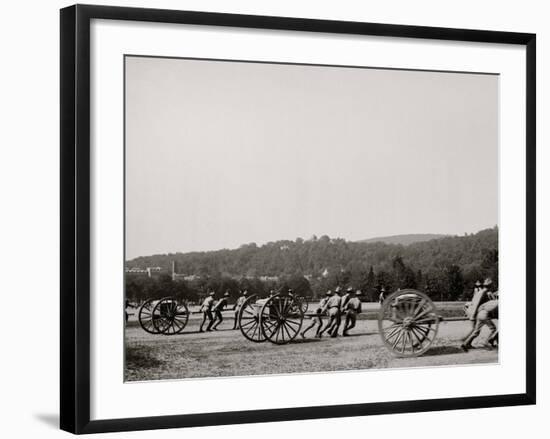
227	353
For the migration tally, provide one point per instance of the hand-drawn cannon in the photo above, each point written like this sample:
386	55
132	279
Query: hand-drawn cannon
408	323
277	319
166	316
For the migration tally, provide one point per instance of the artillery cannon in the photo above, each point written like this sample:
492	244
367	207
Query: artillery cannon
277	319
408	323
166	316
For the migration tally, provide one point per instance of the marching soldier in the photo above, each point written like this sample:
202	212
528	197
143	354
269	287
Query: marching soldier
332	308
206	309
316	319
351	309
218	308
482	310
237	307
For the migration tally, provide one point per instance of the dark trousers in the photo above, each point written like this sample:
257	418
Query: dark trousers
351	318
206	315
333	322
218	318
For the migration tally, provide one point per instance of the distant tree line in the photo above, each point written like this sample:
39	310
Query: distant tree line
445	268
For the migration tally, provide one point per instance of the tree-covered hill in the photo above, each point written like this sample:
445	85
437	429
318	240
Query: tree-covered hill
445	267
405	239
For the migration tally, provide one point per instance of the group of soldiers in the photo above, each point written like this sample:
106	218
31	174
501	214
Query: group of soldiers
336	306
211	310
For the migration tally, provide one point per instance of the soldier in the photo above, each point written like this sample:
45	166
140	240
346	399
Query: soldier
352	308
316	319
218	308
346	297
343	302
237	307
332	308
206	309
483	308
382	295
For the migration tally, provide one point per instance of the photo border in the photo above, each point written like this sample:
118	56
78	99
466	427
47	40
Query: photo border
75	217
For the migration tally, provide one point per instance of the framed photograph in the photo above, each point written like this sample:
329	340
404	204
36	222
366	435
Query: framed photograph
274	218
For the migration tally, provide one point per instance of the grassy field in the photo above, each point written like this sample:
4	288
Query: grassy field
227	353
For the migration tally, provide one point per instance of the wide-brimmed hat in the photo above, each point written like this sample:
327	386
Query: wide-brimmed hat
211	293
478	283
328	293
350	289
338	289
487	282
226	294
358	292
382	290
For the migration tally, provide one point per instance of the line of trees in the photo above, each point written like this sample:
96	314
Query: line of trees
445	268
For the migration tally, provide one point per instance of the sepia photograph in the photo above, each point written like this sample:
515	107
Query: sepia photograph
297	218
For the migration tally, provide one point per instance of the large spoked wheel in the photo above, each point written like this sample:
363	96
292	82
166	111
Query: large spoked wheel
146	317
171	316
281	318
249	320
408	323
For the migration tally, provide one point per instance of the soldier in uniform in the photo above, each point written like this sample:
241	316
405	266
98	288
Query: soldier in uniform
343	302
382	295
237	307
482	310
351	309
206	309
218	308
332	308
316	319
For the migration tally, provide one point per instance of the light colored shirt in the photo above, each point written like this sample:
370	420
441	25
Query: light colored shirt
333	301
322	304
479	298
207	304
239	302
354	304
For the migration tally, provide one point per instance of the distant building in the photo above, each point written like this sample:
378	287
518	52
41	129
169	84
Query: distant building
147	272
181	276
269	278
136	271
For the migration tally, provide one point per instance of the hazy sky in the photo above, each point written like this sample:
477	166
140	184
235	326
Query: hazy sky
224	153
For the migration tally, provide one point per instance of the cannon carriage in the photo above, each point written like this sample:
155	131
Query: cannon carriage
167	316
277	319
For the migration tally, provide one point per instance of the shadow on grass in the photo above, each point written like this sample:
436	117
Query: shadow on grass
299	340
442	350
360	334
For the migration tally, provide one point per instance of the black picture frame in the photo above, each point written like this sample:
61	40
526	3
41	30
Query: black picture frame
75	217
